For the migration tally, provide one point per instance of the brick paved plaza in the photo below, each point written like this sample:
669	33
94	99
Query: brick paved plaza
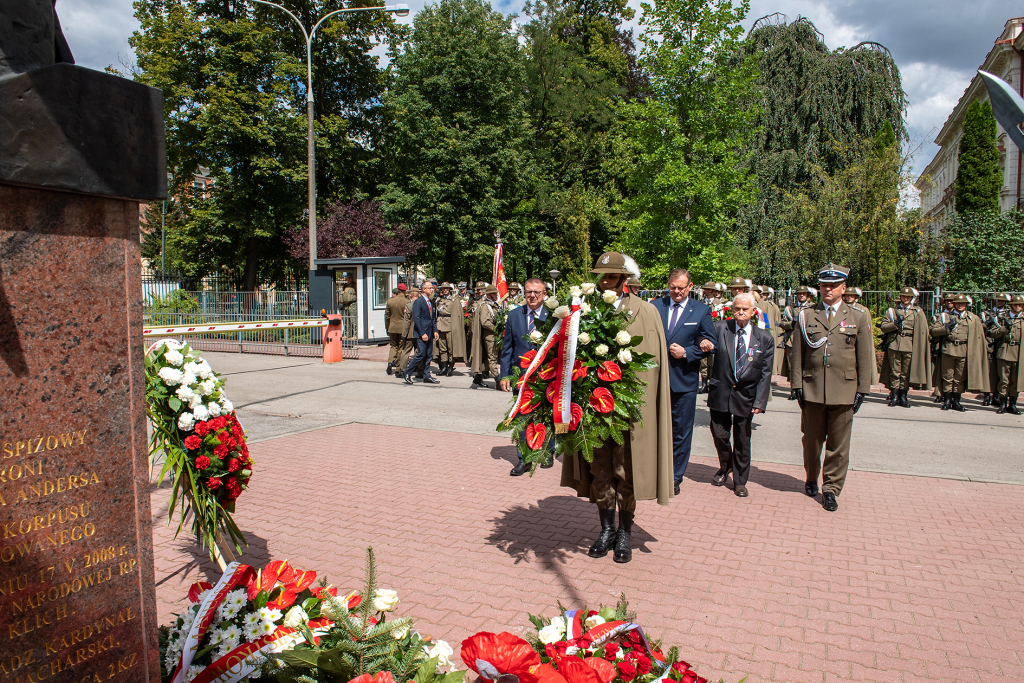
913	579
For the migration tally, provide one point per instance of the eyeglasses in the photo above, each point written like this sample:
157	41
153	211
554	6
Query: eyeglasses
678	289
531	292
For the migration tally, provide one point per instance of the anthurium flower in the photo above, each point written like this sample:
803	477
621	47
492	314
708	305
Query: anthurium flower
498	655
382	677
576	414
575	670
527	358
550	391
609	371
602	400
579	370
526	396
267	578
546	673
548	371
535	434
196	589
301	580
284	598
604	669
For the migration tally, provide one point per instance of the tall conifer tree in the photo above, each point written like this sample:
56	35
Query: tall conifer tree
979	177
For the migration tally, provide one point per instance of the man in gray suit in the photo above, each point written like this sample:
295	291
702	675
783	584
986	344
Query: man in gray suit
739	387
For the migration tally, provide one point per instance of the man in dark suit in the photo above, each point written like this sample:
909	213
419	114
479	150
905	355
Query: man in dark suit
519	324
690	335
740	384
424	318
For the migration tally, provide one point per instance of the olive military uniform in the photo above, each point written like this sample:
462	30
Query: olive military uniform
394	323
1008	331
964	362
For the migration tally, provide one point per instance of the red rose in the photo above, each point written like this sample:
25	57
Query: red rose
202	462
220	451
575	415
592	612
213	483
527	358
609	371
634	637
548	371
579	370
535	434
525	397
689	677
233	465
681	666
193	442
627	671
602	400
202	428
550	391
643	665
610	650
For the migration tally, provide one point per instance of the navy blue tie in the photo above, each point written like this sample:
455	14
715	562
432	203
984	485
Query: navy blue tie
741	351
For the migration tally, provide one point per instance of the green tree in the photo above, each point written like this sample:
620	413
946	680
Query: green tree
815	105
458	139
684	144
979	176
984	251
234	83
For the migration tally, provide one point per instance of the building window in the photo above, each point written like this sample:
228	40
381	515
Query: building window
381	288
198	184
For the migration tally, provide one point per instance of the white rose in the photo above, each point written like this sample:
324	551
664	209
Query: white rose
551	302
575	291
174	358
601	349
583	338
201	413
170	376
536	336
550	634
585	307
610	296
561	312
623	338
559	622
625	356
593	621
327	610
443	651
186	421
400	632
588	287
295	617
385	600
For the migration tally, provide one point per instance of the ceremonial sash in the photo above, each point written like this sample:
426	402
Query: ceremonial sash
567	338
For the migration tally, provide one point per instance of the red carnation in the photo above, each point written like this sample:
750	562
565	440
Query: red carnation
202	462
602	400
525	397
233	465
627	671
527	358
609	371
193	442
213	483
575	416
579	370
689	677
234	489
220	451
228	441
202	428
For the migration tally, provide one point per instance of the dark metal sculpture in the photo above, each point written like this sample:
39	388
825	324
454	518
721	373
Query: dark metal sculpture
31	37
1007	106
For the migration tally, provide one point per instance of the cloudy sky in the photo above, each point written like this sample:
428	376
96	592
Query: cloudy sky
938	44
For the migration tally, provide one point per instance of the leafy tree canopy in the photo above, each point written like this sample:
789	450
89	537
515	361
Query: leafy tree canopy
353	230
984	252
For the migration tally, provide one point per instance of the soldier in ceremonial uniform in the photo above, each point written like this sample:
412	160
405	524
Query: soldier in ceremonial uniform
408	333
833	350
990	318
1007	332
739	285
451	332
348	306
515	294
470	313
964	363
712	294
394	323
463	294
775	319
788	325
852	298
485	353
633	283
908	361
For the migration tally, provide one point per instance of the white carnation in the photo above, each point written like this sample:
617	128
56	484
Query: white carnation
204	369
623	338
208	386
551	302
226	405
170	376
583	338
201	413
588	287
610	296
189	378
214	408
561	312
195	400
601	349
185	393
174	358
186	421
536	336
191	367
625	356
575	291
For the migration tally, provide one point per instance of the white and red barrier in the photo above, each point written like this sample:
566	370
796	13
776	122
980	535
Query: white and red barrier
233	327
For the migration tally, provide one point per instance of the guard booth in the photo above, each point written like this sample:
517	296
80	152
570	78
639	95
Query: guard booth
362	287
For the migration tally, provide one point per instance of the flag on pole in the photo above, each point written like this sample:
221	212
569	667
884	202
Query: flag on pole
499	280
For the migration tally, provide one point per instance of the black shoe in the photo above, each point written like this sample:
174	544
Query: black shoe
792	394
829	502
391	368
956	404
478	380
941	398
606	541
623	553
811	488
998	401
892	398
519	470
947	402
676	487
407	379
1001	406
430	380
1012	408
719	478
548	464
904	401
987	400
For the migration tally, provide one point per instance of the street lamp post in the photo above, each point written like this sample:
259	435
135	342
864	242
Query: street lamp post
554	279
398	10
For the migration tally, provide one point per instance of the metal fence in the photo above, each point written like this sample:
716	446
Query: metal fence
206	307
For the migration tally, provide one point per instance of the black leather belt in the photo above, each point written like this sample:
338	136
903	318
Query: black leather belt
957	343
1016	343
906	334
444	315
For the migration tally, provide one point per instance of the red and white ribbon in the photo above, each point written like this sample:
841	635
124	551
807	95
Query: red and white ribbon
566	360
538	359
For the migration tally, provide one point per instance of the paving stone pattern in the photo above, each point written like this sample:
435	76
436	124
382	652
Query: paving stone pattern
913	579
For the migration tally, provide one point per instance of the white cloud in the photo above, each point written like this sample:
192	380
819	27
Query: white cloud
98	30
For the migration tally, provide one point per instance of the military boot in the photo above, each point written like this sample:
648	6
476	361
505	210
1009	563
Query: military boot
941	398
623	551
903	401
606	541
478	380
987	401
1000	405
1012	407
946	401
956	404
892	398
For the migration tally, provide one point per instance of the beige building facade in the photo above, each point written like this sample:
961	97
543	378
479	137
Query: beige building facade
937	183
